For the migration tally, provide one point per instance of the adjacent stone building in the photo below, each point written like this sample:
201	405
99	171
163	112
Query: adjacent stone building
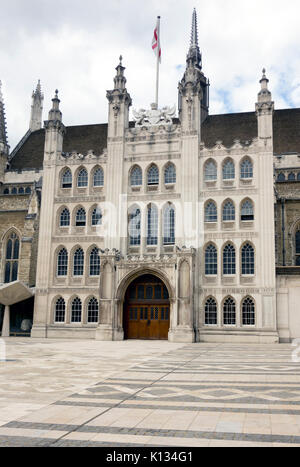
183	228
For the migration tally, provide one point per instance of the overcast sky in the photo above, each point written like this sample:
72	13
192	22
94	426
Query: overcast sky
74	45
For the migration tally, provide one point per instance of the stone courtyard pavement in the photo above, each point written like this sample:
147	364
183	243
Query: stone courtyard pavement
143	393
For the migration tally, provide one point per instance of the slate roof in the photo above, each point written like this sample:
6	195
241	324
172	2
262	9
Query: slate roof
226	128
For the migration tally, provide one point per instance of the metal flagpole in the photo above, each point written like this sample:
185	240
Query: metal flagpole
158	59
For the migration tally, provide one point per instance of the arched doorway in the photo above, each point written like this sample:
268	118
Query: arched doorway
147	309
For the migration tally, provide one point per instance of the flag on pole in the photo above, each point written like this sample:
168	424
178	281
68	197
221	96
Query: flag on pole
156	40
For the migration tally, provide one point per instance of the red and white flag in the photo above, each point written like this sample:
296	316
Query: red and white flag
156	40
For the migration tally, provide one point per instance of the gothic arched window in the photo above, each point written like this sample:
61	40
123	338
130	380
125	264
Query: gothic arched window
210	171
96	217
60	311
246	169
291	177
12	259
152	225
211	261
281	178
134	227
66	181
297	248
28	190
228	211
82	180
21	191
228	170
65	218
81	218
170	174
169	225
211	314
247	211
95	262
98	177
211	213
229	260
136	176
62	263
153	175
93	311
76	315
248	312
229	312
78	265
6	191
248	260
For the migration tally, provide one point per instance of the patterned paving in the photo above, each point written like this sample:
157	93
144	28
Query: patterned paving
170	395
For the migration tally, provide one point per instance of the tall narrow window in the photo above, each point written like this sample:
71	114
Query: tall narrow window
228	170
12	259
281	178
297	247
170	174
93	311
247	211
62	263
67	179
211	261
248	312
229	260
136	176
76	315
95	262
211	214
78	265
65	218
228	211
60	311
152	233
210	171
82	181
153	175
81	218
169	225
248	260
134	227
246	169
98	177
96	217
211	315
229	312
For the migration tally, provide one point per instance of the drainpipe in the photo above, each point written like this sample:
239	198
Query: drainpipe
283	230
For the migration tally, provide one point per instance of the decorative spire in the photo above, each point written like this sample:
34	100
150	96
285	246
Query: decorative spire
36	108
264	95
194	54
3	133
55	114
120	80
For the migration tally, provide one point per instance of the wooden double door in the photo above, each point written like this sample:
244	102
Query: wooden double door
147	310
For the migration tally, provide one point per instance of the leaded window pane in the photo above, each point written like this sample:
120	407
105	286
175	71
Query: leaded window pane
291	177
93	311
65	218
248	312
62	263
170	174
228	170
169	226
82	181
21	191
248	260
229	260
60	311
12	255
78	262
98	177
135	228
95	262
14	274
246	169
81	218
211	260
9	248
67	179
211	315
211	214
152	237
6	191
96	217
76	311
28	191
281	177
298	242
136	177
247	213
153	175
229	211
7	273
210	171
14	191
229	312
